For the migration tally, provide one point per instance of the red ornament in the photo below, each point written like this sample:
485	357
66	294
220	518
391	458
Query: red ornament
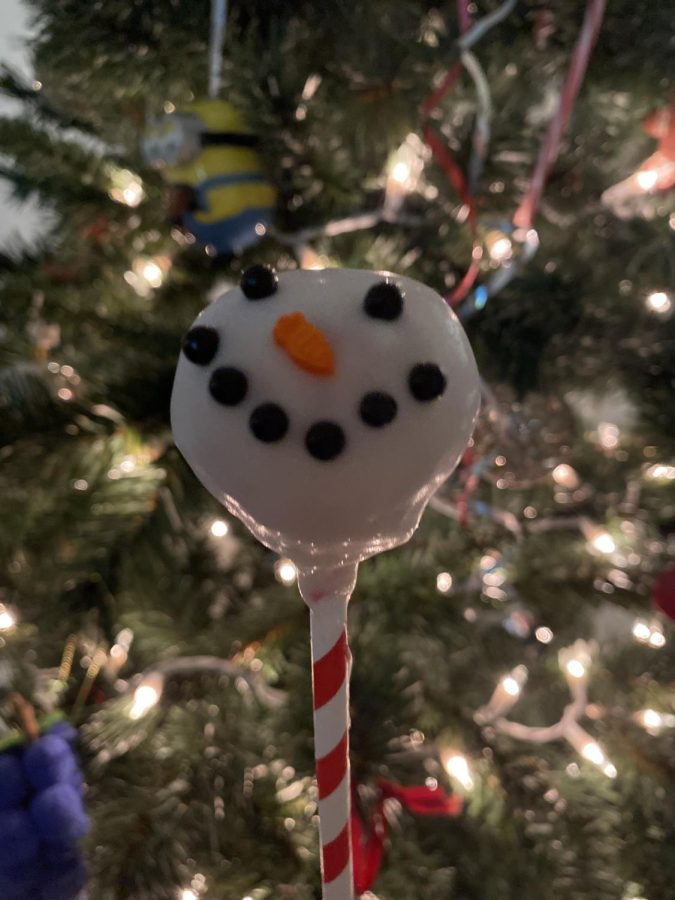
663	593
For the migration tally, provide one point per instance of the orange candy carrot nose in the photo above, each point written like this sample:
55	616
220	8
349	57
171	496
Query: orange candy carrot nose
305	344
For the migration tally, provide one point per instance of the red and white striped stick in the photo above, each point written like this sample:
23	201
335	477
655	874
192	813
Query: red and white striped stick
331	661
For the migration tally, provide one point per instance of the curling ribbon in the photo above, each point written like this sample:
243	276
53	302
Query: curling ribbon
368	838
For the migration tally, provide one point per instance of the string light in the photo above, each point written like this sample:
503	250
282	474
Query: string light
403	173
511	686
608	435
126	187
188	894
653	721
544	635
147	274
659	302
457	767
575	668
444	582
598	537
661	472
566	476
285	571
147	695
7	618
219	528
647	179
650	633
499	246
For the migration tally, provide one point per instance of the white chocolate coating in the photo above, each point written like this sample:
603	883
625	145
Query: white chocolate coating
369	498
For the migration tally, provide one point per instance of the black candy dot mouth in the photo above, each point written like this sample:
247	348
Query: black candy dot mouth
377	409
268	422
228	385
200	344
325	440
259	282
426	382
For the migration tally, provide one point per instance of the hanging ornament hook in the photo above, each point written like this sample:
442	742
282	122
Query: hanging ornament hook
216	38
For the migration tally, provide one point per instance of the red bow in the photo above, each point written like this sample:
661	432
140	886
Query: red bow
368	837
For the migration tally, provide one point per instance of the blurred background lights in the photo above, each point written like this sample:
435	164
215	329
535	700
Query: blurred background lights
457	767
647	179
219	528
146	696
511	686
650	633
565	476
285	571
576	668
188	894
661	472
7	618
659	302
444	582
608	435
126	187
544	635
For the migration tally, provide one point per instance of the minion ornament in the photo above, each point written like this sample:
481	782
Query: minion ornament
217	188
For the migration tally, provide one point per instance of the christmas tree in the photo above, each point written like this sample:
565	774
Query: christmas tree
513	716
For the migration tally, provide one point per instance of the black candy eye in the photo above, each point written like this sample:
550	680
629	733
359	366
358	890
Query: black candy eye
268	422
228	386
259	282
377	409
426	382
384	301
325	440
200	345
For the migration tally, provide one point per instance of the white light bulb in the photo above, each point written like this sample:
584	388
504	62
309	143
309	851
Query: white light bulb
7	619
576	668
500	249
544	635
401	172
219	528
146	696
604	542
651	719
659	302
152	273
610	770
641	631
661	472
565	476
511	686
133	194
608	435
285	572
647	179
457	767
657	639
592	751
444	582
188	894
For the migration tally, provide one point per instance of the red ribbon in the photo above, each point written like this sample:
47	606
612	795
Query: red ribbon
368	837
550	147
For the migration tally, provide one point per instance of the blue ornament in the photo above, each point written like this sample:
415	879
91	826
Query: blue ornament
63	881
19	840
58	814
13	783
48	761
42	818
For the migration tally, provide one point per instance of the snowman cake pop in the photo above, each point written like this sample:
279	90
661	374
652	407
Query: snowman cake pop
324	408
